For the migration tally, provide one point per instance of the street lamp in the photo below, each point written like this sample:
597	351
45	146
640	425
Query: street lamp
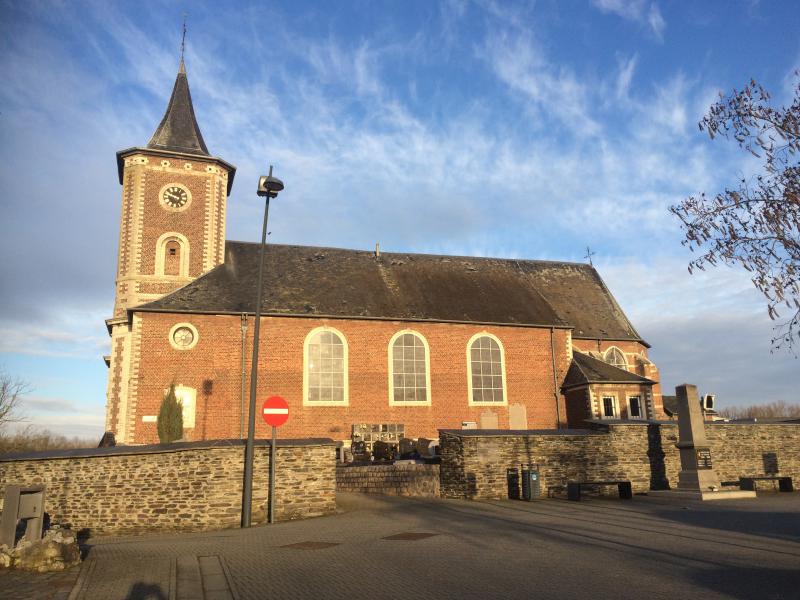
268	187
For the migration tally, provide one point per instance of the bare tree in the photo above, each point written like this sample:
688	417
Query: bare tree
31	439
756	224
11	392
770	410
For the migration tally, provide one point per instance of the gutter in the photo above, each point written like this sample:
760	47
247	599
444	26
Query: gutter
555	379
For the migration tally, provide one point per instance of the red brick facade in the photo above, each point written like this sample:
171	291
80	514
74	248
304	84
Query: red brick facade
213	368
638	362
165	243
160	249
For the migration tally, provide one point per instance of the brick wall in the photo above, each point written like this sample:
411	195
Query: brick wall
393	480
634	353
183	486
213	368
474	463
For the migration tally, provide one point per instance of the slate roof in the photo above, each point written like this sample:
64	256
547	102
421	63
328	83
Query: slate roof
178	130
670	404
586	369
313	281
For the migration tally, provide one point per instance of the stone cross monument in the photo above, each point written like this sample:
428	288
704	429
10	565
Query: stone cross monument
697	467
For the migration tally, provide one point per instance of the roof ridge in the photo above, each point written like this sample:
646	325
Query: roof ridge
445	256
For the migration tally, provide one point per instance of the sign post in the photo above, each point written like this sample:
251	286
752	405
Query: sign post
276	413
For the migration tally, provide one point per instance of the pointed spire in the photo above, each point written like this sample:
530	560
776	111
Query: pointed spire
178	130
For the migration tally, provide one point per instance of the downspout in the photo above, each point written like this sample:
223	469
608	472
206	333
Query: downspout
244	361
555	379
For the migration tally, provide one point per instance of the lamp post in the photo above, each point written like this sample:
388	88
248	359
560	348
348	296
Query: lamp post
268	187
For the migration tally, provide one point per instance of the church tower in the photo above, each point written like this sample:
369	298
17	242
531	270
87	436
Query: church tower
172	227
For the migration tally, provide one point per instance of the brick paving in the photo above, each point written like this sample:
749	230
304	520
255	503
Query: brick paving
22	585
548	549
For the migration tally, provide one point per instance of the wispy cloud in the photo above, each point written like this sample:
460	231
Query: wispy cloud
638	11
520	63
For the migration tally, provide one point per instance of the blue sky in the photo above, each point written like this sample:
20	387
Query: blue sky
504	129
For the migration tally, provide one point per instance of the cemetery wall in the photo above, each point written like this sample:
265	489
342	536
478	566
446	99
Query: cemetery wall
393	480
474	463
183	486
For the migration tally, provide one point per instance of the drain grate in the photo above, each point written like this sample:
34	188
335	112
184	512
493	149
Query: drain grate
310	545
410	536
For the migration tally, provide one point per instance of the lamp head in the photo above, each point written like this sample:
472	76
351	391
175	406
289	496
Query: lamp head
269	185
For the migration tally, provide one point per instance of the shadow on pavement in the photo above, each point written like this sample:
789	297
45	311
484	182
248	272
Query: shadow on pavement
778	525
145	591
750	582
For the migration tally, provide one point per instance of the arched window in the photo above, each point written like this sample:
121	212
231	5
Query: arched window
615	357
486	370
325	372
409	377
172	255
172	258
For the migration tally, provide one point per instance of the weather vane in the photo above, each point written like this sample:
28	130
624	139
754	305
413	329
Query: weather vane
183	39
589	255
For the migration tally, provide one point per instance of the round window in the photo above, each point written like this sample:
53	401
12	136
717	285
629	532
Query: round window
183	336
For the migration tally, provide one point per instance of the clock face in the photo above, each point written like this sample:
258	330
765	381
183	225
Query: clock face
175	196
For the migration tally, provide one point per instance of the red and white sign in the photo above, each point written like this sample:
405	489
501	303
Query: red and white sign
275	411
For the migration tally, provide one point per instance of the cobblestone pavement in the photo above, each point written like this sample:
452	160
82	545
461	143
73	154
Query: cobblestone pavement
22	585
386	547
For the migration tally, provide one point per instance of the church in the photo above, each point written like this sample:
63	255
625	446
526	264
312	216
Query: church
348	337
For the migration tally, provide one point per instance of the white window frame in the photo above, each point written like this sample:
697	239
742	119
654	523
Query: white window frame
602	406
345	366
502	369
642	407
392	401
624	358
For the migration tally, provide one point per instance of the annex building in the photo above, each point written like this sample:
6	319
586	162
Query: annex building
348	336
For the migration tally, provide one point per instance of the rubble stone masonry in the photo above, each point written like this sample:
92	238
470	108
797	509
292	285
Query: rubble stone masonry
181	486
417	480
474	463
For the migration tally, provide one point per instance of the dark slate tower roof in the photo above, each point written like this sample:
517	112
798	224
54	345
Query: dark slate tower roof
178	130
331	282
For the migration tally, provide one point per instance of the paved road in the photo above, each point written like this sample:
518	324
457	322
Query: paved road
597	548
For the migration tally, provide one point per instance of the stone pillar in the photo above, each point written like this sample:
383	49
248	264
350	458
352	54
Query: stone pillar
697	469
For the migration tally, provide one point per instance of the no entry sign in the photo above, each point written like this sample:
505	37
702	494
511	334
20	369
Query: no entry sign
275	411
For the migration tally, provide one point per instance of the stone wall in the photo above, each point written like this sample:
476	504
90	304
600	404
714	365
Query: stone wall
474	462
181	486
393	480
